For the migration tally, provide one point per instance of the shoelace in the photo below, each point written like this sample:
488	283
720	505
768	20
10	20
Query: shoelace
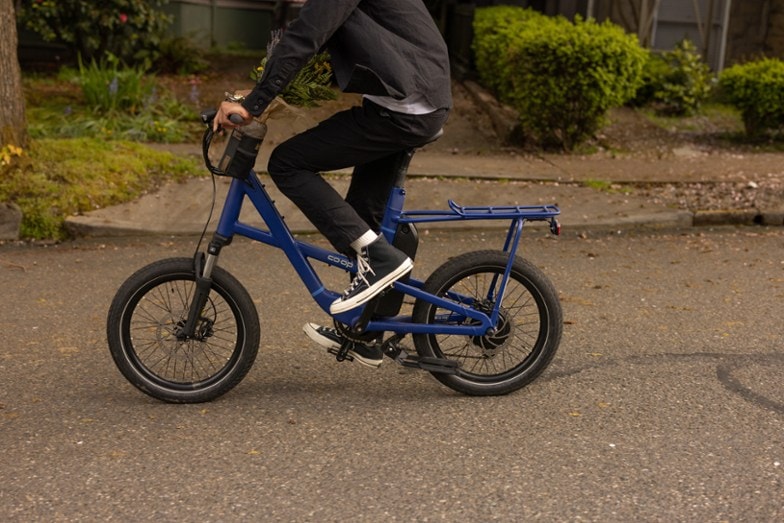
363	267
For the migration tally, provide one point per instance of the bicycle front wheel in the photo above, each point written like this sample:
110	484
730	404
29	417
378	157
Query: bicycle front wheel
525	338
143	325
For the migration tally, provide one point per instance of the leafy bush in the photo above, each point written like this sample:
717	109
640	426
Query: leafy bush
495	33
129	29
108	86
756	89
561	77
676	82
178	55
116	102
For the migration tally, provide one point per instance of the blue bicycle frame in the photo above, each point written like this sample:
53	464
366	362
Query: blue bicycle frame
300	253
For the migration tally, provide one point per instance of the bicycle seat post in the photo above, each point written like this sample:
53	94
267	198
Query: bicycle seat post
398	193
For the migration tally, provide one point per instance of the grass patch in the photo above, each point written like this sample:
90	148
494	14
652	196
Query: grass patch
712	118
55	178
605	186
84	155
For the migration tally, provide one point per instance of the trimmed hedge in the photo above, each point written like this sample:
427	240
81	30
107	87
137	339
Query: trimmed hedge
756	89
496	30
562	77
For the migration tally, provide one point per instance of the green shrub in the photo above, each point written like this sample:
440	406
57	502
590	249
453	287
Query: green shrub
677	82
561	77
178	55
756	89
130	29
116	102
109	86
496	30
166	121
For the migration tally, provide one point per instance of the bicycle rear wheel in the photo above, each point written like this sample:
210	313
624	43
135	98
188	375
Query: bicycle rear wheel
526	337
145	317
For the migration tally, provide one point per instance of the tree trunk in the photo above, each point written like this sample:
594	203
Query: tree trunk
13	127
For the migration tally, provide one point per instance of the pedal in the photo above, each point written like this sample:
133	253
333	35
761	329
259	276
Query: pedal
342	354
393	349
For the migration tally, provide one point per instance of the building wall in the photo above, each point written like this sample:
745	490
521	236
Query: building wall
244	24
756	29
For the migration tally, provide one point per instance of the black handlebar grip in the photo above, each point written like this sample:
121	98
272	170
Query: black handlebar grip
235	118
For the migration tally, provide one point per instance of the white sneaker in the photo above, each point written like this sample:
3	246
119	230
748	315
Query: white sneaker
379	266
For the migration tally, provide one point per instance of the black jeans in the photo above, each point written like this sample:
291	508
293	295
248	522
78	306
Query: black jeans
367	137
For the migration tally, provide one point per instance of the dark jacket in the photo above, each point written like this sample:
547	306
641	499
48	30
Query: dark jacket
378	47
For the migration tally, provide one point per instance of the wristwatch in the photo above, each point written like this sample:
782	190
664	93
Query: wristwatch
234	98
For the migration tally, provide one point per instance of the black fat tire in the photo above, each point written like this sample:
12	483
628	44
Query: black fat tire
140	329
526	345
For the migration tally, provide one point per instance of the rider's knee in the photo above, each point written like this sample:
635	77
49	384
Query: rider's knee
278	166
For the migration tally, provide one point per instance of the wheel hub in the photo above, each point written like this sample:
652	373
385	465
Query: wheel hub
495	341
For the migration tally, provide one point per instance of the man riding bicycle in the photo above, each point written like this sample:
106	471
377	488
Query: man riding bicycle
391	52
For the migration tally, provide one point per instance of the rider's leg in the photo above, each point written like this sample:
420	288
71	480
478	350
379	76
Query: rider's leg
370	186
352	137
348	138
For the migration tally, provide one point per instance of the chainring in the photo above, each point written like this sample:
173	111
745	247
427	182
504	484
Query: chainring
364	337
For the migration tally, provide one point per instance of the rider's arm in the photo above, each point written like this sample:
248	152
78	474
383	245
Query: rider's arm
317	22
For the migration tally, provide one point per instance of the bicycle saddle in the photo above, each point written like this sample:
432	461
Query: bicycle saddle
435	137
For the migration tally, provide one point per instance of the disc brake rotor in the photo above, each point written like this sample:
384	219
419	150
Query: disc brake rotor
492	344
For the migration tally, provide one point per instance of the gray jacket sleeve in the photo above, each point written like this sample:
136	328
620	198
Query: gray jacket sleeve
317	22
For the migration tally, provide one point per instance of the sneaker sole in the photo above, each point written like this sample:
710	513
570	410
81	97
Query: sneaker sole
314	335
373	364
339	305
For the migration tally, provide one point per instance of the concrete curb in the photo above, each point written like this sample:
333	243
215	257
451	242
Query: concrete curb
738	217
584	210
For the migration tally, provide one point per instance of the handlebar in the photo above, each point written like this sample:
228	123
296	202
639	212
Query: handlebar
238	153
208	115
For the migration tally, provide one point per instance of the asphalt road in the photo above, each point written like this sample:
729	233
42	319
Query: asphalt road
664	403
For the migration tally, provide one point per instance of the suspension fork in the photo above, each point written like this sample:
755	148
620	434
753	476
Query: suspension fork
202	267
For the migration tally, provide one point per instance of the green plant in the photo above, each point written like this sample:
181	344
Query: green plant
151	125
130	29
58	178
180	56
675	82
311	84
496	30
85	104
109	86
562	77
756	89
